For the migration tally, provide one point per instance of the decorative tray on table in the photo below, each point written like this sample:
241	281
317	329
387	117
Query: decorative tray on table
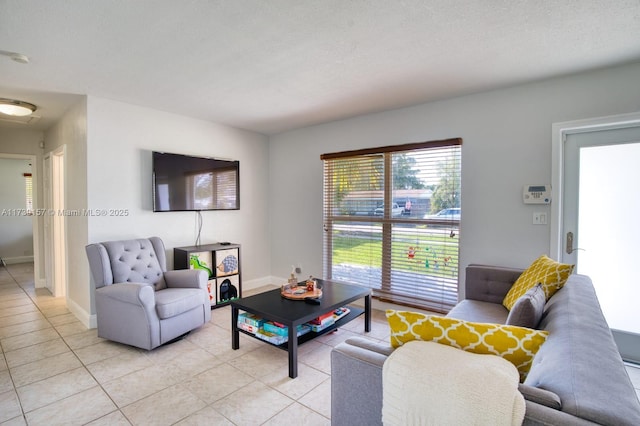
300	293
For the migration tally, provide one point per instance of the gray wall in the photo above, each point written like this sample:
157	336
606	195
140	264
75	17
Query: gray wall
507	143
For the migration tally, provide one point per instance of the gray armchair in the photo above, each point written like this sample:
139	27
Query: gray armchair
139	302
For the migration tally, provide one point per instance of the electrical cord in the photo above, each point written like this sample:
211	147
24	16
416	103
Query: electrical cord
199	226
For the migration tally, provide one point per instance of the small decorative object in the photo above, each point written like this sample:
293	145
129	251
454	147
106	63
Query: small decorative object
201	260
228	265
294	291
293	280
226	290
311	284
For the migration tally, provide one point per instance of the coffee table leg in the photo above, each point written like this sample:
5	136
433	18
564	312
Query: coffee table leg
367	313
293	352
235	334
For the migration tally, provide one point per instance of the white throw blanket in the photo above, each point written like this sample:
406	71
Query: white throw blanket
426	383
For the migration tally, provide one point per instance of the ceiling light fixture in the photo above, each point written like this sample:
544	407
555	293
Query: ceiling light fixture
16	108
17	57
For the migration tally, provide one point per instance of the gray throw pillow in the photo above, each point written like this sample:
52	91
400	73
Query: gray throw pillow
527	311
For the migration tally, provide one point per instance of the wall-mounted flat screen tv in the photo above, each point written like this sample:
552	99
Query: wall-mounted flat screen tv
186	183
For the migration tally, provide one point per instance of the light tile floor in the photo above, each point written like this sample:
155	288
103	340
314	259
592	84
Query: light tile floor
55	371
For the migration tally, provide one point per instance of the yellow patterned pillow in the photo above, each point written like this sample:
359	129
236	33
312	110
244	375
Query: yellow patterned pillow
517	345
551	274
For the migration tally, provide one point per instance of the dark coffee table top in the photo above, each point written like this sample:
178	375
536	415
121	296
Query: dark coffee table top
273	306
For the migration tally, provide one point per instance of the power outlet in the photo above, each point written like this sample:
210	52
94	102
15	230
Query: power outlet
539	218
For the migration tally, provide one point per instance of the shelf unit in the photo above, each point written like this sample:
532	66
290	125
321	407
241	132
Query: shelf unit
222	264
354	313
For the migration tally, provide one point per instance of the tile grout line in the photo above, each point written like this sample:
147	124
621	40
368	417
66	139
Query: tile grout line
15	389
181	381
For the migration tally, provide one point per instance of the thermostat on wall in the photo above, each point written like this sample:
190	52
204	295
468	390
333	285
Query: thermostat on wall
536	194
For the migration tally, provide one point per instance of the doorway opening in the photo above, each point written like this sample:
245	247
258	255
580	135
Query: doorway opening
33	233
595	175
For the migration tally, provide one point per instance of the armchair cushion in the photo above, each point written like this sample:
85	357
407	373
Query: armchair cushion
135	261
174	301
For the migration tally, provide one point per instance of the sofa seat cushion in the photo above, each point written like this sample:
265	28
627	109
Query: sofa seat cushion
174	301
478	311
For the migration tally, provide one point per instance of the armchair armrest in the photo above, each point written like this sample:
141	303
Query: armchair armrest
186	278
141	294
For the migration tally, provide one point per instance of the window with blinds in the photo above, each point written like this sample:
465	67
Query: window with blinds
28	182
392	221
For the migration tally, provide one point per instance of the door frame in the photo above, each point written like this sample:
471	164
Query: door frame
559	134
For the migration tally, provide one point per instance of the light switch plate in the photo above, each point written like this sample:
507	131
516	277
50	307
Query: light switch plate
539	218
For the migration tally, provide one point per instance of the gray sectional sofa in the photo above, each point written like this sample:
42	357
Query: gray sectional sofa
577	377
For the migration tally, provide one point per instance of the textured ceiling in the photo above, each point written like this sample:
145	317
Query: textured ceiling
272	66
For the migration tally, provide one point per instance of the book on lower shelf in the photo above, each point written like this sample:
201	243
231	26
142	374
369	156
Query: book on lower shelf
276	339
282	330
277	333
248	327
251	319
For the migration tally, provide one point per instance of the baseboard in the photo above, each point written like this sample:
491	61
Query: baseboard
259	282
83	316
18	259
627	345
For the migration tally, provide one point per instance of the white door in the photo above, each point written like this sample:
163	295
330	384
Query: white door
59	224
54	223
48	221
601	207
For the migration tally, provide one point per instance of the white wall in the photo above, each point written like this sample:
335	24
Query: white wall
16	243
71	131
121	139
506	144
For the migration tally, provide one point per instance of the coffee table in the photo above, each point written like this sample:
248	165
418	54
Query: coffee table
272	306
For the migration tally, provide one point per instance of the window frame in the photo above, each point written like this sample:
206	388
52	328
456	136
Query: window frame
387	220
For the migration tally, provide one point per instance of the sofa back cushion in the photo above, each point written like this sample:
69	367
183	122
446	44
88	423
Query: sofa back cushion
580	361
488	283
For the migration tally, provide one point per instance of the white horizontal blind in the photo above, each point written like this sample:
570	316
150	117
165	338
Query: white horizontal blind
28	182
225	188
381	227
212	189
